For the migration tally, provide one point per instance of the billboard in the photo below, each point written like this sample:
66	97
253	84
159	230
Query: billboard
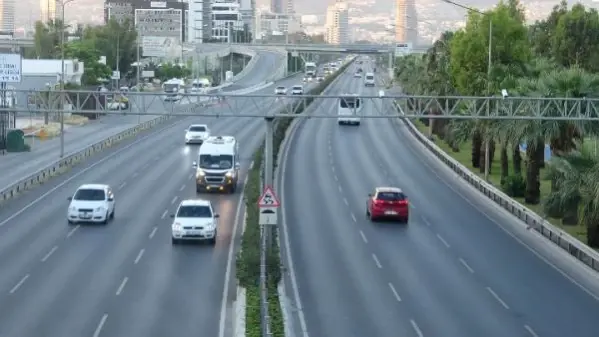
10	68
160	46
402	49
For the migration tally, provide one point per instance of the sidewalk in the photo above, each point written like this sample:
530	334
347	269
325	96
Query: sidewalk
15	166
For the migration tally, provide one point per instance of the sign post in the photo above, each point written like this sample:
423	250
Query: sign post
269	205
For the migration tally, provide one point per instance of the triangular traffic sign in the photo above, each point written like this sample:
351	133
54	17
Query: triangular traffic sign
268	199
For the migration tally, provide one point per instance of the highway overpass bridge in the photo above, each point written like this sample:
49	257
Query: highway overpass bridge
305	48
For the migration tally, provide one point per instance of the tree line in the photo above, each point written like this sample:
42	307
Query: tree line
116	41
557	57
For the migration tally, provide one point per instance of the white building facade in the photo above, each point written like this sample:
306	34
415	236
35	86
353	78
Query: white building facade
199	21
269	23
7	16
48	10
337	23
227	21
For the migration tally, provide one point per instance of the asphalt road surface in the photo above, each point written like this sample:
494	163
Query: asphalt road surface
452	272
123	279
16	166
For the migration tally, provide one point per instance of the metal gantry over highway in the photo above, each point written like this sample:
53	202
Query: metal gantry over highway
407	106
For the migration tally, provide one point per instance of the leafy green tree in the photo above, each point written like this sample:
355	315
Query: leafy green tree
117	39
168	70
85	50
574	41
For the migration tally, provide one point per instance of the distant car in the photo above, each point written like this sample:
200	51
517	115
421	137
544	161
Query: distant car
319	78
196	134
358	75
119	102
91	203
387	203
297	90
194	220
280	91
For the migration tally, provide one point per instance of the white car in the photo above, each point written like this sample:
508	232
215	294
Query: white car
297	90
358	75
280	91
195	220
93	203
197	134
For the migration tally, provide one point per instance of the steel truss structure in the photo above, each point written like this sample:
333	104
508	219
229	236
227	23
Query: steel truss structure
407	106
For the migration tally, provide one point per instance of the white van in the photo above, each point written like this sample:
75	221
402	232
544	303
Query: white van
348	109
369	80
217	168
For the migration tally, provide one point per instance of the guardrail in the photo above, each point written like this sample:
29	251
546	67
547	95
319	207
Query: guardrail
562	239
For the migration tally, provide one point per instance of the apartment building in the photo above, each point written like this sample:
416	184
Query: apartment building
337	23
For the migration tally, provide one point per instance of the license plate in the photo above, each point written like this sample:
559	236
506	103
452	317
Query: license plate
85	216
390	213
194	232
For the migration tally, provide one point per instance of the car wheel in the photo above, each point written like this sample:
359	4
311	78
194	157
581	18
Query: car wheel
174	241
106	218
70	223
367	213
213	241
112	214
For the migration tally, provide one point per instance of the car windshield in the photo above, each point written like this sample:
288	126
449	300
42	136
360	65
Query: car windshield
171	87
90	195
197	128
390	196
370	77
194	212
223	162
350	103
298	87
280	88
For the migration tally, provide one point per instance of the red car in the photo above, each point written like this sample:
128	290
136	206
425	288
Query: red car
387	203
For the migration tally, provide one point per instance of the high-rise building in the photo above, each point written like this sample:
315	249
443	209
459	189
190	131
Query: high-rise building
282	7
227	22
48	10
200	18
406	21
337	23
268	23
7	16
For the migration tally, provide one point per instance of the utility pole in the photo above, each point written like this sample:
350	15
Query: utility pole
139	86
62	75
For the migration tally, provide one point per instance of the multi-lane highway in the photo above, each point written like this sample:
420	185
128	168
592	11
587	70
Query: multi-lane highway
457	269
76	138
123	279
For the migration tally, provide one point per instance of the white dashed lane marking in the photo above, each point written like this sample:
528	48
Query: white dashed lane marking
121	186
122	286
19	284
416	328
465	264
139	256
47	256
153	232
72	231
363	237
98	330
164	214
376	261
443	241
530	331
174	200
494	294
394	292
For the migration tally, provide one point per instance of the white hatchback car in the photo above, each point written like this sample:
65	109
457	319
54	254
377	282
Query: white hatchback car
93	203
196	134
195	220
280	91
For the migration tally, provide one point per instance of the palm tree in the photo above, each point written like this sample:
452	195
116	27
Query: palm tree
561	135
576	195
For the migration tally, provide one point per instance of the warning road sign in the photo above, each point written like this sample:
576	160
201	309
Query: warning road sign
268	199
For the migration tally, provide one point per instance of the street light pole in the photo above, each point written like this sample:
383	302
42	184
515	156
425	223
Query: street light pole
62	76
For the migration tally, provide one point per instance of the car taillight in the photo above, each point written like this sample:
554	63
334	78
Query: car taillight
403	202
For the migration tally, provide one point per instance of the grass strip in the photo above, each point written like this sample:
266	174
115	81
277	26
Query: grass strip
248	259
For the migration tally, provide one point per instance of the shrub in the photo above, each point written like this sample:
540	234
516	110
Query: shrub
514	186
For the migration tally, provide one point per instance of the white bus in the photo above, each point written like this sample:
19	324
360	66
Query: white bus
348	109
173	89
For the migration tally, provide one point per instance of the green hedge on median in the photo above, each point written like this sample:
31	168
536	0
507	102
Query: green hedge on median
248	259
